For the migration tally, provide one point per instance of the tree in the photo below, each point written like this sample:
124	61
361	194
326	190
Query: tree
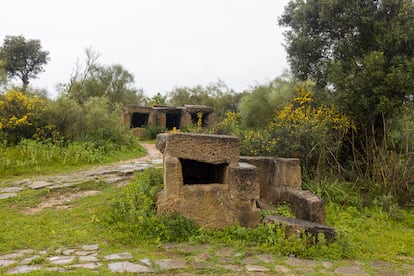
3	75
361	51
95	80
217	95
23	58
258	107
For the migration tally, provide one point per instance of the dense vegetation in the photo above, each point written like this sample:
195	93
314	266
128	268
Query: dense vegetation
362	232
346	111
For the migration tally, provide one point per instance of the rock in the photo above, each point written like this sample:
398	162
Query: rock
327	264
85	259
266	258
23	182
11	256
91	247
146	262
171	264
128	267
30	259
119	256
11	189
40	184
7	195
256	268
281	268
295	226
68	252
59	260
300	262
24	269
83	253
56	269
203	265
202	257
4	263
350	270
87	265
231	267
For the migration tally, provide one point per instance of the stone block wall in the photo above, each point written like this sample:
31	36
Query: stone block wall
166	117
281	182
206	180
214	201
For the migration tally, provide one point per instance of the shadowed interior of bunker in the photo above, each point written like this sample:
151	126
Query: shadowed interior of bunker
196	172
172	119
139	119
194	118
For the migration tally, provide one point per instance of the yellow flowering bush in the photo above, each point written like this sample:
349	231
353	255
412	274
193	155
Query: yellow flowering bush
20	115
303	130
229	125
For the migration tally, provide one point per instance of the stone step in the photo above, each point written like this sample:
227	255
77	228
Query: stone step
298	226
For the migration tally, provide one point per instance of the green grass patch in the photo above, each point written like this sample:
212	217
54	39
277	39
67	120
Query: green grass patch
31	157
368	233
124	219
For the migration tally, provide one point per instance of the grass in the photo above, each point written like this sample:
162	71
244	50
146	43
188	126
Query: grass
364	234
36	158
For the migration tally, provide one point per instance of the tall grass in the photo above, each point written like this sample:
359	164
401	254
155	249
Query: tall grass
32	157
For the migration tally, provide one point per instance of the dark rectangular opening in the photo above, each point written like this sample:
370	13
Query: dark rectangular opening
195	118
139	119
196	172
172	120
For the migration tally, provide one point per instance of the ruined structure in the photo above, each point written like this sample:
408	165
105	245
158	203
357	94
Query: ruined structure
139	117
206	180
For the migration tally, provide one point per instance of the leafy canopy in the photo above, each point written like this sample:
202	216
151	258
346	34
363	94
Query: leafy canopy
92	79
23	58
362	51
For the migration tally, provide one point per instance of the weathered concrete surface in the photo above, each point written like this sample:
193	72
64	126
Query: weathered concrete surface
204	181
297	226
128	267
281	183
215	149
304	204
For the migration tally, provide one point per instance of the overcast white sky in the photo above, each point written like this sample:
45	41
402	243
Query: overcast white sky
163	43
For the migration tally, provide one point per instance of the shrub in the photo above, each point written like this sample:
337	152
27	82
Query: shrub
151	132
229	125
132	213
20	115
92	122
302	130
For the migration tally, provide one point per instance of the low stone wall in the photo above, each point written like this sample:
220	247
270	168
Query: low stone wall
281	182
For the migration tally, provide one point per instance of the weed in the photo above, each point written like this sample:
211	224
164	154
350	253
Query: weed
133	213
31	157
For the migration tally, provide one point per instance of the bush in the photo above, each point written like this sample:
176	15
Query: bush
151	132
302	130
20	116
93	122
132	213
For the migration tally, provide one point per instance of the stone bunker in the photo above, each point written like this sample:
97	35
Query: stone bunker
206	180
139	117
